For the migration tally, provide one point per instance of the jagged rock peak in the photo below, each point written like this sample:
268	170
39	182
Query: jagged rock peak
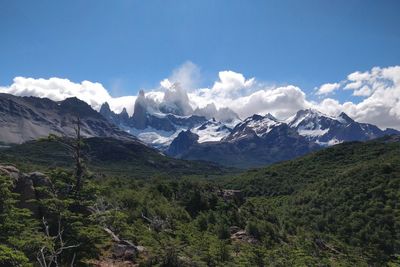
345	117
124	112
105	107
141	93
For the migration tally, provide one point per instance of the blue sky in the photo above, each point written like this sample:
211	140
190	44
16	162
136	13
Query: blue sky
127	45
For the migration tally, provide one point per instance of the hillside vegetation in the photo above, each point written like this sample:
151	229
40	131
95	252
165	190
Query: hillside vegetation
335	207
105	156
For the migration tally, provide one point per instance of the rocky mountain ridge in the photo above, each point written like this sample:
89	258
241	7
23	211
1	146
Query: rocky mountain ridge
174	129
260	140
28	118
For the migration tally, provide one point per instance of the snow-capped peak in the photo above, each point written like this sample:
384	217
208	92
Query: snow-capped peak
211	131
306	115
256	124
263	125
312	123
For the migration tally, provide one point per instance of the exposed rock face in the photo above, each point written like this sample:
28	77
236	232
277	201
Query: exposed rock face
120	118
140	111
238	235
230	194
26	186
10	171
29	118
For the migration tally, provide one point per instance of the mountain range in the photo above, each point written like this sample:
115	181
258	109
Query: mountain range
174	128
28	118
252	142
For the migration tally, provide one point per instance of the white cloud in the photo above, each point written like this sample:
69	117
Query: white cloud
380	88
281	102
363	91
328	88
247	97
58	89
119	103
188	75
231	84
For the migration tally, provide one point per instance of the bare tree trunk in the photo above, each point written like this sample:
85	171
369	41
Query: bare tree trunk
78	156
74	147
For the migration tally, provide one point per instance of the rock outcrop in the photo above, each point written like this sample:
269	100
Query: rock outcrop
239	235
27	187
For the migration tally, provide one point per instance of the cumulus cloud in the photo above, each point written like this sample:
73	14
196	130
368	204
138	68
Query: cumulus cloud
117	104
378	90
176	101
247	96
188	75
281	101
328	88
231	84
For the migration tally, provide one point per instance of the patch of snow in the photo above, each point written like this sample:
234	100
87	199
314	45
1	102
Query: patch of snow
154	137
309	115
312	133
331	142
233	123
263	126
341	120
211	132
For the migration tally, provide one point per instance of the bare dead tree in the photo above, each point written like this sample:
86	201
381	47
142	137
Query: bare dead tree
49	256
77	146
74	146
156	223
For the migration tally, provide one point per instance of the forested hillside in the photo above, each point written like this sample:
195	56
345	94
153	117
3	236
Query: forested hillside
335	207
105	156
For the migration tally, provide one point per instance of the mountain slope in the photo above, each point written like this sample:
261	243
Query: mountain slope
328	130
28	118
255	125
349	192
111	156
250	150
